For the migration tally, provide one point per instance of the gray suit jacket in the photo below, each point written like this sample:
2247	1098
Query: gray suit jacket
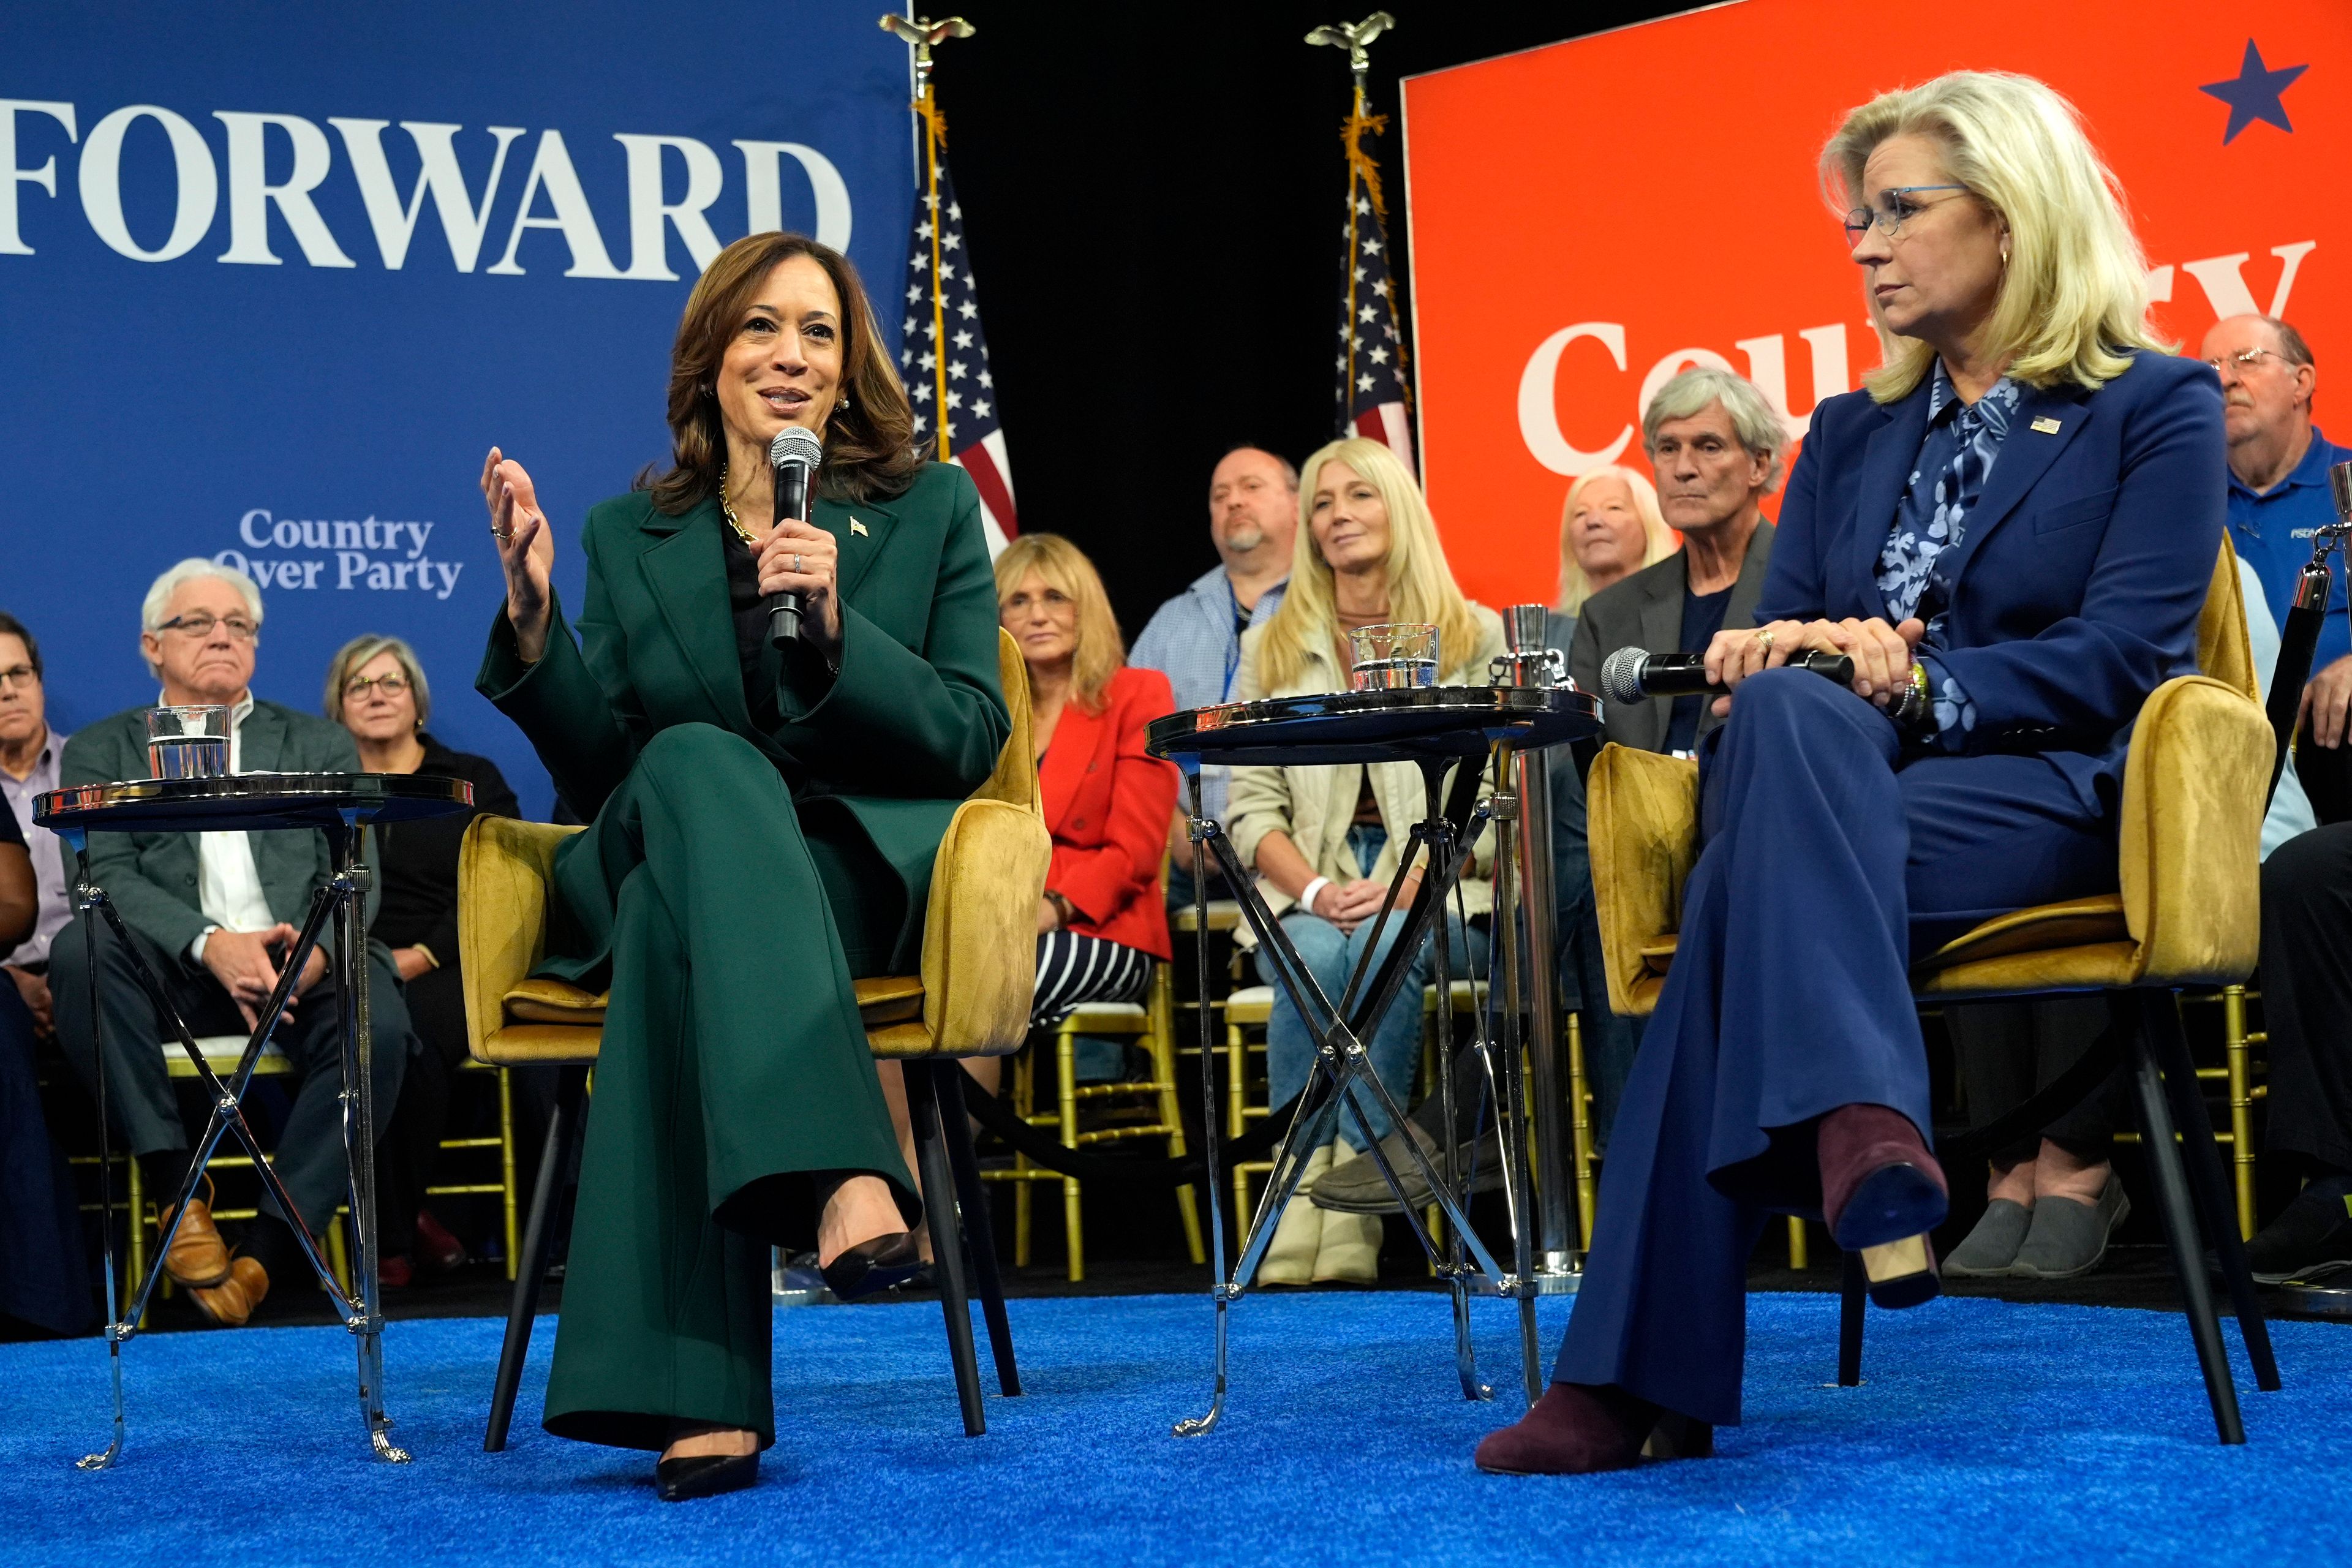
1645	611
151	876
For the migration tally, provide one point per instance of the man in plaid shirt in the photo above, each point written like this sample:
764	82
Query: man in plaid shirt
1195	638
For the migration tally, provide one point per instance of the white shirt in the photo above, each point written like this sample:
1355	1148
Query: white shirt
228	884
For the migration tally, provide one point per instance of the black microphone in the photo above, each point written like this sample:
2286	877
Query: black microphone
793	456
1631	674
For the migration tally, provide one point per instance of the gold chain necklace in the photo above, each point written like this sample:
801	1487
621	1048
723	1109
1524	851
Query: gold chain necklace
727	510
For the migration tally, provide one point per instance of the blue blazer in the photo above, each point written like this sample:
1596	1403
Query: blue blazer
2078	582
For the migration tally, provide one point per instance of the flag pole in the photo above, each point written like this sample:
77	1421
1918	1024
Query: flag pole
922	34
1364	177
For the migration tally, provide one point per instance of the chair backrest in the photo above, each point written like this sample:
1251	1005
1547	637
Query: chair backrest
2223	650
980	955
1015	781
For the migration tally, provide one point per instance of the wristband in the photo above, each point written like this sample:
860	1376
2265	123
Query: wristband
1306	898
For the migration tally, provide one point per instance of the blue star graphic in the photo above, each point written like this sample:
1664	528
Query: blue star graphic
2254	93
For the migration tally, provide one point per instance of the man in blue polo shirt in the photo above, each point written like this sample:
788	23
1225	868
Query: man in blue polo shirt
2278	492
1195	638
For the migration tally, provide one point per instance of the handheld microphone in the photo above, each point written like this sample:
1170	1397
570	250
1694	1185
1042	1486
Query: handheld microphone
792	456
1631	673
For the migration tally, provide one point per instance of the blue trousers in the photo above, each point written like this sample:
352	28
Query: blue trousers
1831	860
1331	955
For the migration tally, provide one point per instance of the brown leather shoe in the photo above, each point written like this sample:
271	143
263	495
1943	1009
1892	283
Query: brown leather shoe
230	1303
1573	1430
197	1256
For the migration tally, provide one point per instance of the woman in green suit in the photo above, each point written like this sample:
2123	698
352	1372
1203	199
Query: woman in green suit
763	827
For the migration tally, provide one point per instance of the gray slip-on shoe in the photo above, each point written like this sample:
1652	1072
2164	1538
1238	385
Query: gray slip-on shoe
2068	1238
1354	1186
1992	1245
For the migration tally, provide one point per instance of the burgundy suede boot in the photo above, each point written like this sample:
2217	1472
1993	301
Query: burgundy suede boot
1882	1192
1575	1429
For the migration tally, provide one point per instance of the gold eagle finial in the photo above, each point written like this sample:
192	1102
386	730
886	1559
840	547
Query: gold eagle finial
926	34
1353	38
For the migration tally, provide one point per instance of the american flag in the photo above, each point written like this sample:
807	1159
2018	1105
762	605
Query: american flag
1375	398
944	360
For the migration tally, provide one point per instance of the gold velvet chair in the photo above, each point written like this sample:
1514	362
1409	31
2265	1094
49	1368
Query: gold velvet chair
970	999
2186	914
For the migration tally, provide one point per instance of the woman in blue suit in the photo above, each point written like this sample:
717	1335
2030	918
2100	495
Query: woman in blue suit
2012	531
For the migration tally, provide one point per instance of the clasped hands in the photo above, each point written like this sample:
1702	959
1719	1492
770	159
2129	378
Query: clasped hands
1882	654
1347	905
246	964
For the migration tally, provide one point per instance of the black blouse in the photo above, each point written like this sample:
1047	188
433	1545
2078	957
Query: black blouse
420	859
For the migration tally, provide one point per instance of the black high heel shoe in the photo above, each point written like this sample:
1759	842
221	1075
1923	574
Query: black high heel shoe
705	1475
872	1266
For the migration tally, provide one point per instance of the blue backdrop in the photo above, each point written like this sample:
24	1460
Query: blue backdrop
273	277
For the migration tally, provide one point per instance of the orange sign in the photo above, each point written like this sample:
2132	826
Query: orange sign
1590	217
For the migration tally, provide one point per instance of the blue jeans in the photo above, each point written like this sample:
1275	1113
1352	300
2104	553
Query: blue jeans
1331	955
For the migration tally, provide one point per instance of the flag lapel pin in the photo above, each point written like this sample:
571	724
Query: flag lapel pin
859	528
2045	426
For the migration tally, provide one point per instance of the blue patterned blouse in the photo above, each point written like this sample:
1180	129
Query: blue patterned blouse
1963	441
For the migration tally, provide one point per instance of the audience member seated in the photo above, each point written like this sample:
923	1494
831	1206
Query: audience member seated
29	751
2278	494
1609	528
377	690
1716	446
1325	841
1195	638
210	914
44	1283
1103	919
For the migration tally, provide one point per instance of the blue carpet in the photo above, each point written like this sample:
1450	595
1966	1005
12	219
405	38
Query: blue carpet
1987	1433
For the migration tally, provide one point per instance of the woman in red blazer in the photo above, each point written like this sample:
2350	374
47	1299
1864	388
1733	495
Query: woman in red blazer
1103	919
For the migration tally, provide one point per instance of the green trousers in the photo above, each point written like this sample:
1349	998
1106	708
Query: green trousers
733	1084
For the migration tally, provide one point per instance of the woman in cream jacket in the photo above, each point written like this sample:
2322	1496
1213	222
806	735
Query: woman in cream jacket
1325	840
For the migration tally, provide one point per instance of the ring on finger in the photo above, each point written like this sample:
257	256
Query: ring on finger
1764	639
796	565
503	534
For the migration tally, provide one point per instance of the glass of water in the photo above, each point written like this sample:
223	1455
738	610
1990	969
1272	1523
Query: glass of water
190	742
1395	657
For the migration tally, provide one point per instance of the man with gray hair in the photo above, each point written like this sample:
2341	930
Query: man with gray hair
2278	494
1715	447
210	913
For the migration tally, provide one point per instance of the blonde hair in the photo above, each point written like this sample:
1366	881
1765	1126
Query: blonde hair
1658	539
357	655
1063	566
2074	292
1420	586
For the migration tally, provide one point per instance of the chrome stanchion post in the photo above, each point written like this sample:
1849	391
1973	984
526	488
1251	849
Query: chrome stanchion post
352	882
1440	841
1528	661
118	1325
1221	1289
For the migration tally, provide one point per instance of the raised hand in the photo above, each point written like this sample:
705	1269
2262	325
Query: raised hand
526	551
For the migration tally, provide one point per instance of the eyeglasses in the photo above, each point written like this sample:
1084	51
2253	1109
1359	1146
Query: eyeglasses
1889	219
201	626
19	675
2245	361
390	685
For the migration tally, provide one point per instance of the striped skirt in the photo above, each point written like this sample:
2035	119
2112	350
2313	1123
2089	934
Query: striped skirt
1074	968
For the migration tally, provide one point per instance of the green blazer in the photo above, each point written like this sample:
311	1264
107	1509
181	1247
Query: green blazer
910	727
151	876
